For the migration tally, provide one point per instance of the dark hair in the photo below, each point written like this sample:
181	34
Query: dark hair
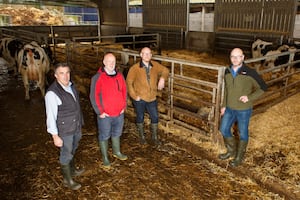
60	65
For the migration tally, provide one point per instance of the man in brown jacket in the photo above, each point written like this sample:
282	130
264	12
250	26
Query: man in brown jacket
143	80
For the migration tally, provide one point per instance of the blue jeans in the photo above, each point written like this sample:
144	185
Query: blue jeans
140	108
242	117
110	127
70	144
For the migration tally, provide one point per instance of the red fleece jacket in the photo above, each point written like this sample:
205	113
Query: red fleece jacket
108	93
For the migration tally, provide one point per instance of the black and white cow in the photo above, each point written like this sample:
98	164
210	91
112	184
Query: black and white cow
276	60
260	48
34	64
9	48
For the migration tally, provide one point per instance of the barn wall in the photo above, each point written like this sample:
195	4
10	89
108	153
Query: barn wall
113	12
256	16
200	41
165	13
197	23
274	19
112	30
297	27
168	18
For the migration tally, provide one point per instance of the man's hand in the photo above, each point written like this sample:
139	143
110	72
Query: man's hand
161	84
103	115
244	99
222	111
57	141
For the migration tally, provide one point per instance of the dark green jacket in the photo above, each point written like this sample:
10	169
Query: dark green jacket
247	82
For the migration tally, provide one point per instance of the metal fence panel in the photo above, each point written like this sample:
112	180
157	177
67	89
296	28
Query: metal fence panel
165	13
273	17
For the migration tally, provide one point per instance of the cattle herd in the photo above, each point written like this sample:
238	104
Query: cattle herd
262	48
33	61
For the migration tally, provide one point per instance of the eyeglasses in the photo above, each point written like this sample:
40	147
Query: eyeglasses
236	57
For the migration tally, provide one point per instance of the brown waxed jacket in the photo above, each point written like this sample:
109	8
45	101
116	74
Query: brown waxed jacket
138	85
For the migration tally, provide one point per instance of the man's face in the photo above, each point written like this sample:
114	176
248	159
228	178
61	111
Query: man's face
236	58
109	63
62	75
146	54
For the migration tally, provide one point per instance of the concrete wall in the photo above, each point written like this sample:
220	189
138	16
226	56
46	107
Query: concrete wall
136	20
196	23
297	27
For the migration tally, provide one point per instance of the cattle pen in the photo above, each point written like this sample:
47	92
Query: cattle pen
194	91
194	94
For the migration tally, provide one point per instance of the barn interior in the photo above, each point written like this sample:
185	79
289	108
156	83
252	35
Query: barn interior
189	107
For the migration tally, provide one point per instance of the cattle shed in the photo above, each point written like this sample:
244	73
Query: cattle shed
168	18
235	22
240	22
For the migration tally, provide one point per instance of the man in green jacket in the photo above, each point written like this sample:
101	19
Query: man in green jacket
243	85
143	80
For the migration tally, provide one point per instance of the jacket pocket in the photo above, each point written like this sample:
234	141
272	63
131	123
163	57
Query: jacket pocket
67	125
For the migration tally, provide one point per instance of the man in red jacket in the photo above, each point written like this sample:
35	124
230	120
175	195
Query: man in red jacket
108	94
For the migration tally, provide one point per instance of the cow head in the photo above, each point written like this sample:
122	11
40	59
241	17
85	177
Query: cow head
259	48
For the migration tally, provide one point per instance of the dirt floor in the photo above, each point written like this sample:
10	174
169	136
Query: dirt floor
178	169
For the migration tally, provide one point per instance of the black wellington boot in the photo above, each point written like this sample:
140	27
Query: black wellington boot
74	170
240	153
230	144
140	127
68	181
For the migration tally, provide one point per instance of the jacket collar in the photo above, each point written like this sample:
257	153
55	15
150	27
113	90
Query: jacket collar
143	65
102	70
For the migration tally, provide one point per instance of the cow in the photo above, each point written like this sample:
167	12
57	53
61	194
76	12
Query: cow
9	48
273	61
260	48
33	64
276	60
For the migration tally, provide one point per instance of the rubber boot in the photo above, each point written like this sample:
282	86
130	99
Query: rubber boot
68	181
155	139
240	154
230	144
140	127
74	170
116	149
104	149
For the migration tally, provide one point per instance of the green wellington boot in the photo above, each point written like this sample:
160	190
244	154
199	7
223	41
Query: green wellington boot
116	149
74	170
68	181
240	154
104	149
140	127
230	144
155	140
